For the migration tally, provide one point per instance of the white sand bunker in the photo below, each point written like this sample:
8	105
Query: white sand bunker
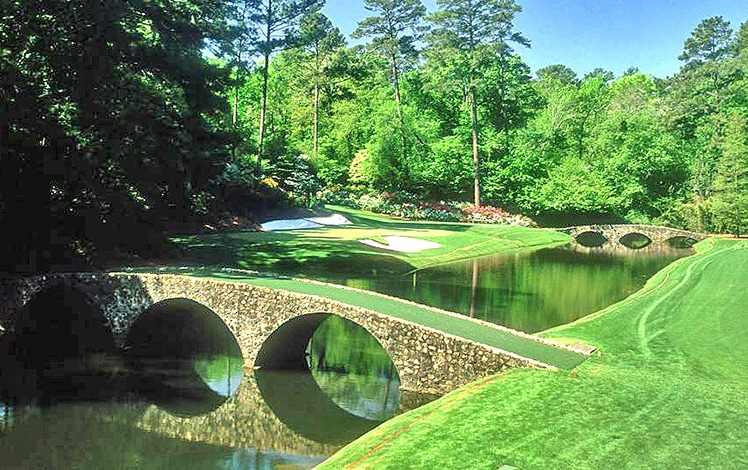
334	219
402	244
312	222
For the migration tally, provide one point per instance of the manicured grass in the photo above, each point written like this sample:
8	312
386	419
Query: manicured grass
320	252
336	250
669	391
425	316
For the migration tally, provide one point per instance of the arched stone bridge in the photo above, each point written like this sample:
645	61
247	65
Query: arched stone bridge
273	326
626	234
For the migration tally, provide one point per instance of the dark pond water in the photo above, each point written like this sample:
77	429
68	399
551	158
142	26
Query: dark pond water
530	291
178	396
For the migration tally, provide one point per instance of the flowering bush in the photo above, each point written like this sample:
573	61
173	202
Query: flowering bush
439	211
402	205
494	215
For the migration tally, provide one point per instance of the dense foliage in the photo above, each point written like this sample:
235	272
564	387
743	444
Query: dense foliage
122	120
466	121
108	125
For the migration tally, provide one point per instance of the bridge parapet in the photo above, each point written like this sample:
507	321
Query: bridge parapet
428	360
614	232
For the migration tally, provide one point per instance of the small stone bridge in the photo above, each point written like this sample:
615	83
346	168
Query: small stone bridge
626	234
273	326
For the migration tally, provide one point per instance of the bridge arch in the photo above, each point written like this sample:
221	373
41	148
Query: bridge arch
285	348
288	347
295	381
60	329
591	238
681	241
635	240
61	321
180	347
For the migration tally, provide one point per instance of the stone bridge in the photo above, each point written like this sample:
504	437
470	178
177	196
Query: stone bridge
273	326
631	235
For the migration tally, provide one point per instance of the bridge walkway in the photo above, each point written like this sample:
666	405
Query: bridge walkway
496	336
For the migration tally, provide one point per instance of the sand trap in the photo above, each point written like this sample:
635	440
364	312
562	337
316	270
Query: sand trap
335	219
312	222
402	244
288	224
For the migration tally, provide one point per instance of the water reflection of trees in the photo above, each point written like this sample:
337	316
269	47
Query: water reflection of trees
532	291
343	346
353	369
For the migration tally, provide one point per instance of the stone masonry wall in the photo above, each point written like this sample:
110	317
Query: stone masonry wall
614	232
428	360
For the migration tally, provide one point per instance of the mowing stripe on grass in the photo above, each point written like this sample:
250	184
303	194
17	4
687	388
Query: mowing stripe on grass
463	393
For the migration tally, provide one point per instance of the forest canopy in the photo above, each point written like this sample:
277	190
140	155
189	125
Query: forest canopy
128	120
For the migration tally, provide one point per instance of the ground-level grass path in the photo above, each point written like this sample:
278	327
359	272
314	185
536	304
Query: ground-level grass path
669	391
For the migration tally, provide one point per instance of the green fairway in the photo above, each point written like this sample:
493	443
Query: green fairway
337	249
429	317
669	390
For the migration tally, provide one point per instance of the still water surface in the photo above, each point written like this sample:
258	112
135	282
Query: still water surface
188	404
163	405
529	291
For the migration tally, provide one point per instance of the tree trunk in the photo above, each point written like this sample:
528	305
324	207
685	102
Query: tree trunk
502	100
398	106
315	130
476	156
264	107
235	106
265	74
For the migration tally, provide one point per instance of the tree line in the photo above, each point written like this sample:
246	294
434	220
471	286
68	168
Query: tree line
125	121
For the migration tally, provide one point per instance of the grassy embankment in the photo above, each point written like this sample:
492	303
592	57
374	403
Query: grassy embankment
336	249
669	391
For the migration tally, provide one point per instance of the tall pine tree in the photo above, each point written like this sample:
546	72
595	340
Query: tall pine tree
730	200
466	35
394	29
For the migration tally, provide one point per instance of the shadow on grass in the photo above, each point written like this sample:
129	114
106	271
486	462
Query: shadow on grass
363	219
289	254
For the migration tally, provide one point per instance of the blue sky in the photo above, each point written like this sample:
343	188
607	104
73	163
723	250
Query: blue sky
585	34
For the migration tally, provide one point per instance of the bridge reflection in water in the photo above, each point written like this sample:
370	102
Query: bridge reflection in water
178	397
618	250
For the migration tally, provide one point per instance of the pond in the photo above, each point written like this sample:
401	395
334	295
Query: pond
178	397
183	400
529	291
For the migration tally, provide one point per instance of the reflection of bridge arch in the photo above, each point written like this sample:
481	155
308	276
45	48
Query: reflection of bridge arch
622	234
297	398
181	349
428	360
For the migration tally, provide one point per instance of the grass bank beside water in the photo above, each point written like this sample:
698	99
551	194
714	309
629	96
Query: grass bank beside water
337	249
669	391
